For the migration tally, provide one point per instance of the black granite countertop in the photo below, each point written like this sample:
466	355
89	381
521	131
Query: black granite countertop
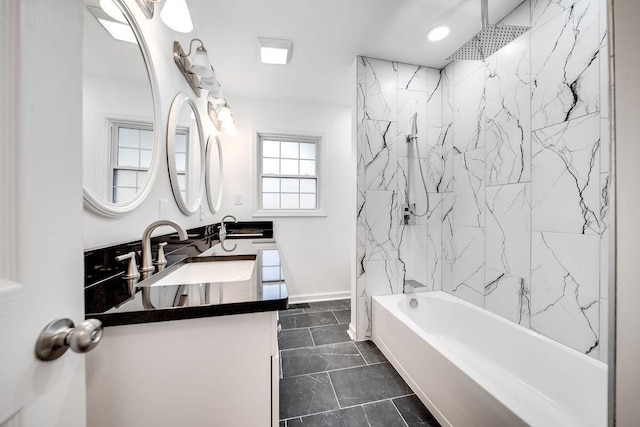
204	284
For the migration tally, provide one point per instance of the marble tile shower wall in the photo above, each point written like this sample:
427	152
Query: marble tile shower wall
389	252
516	153
524	226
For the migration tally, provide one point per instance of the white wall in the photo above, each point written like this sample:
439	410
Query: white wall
100	231
315	250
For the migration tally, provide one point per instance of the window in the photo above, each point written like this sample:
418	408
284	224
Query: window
182	156
288	173
132	151
271	267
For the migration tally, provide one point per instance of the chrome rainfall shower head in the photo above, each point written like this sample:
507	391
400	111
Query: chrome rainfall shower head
489	40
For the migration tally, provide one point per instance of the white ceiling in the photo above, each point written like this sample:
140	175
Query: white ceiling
327	35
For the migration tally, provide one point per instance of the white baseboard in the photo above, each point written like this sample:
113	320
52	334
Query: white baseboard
352	332
328	296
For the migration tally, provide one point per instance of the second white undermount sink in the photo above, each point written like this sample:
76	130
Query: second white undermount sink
209	272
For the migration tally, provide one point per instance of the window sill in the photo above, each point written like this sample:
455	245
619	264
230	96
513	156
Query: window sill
289	213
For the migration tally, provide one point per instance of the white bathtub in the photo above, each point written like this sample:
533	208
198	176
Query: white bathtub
473	368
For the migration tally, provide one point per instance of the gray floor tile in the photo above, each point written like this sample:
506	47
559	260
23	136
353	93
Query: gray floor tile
294	338
330	334
383	414
306	320
290	311
343	316
350	417
306	394
368	384
340	304
414	412
300	305
319	359
370	352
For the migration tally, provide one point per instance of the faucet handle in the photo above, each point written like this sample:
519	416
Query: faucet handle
132	268
161	260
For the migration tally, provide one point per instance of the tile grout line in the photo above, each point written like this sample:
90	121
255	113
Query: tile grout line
361	355
312	340
339	369
352	406
334	390
398	411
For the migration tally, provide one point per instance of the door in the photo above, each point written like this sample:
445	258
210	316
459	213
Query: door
40	208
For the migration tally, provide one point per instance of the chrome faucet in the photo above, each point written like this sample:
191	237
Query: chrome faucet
146	267
222	234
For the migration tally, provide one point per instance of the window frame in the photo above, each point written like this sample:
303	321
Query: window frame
302	137
115	125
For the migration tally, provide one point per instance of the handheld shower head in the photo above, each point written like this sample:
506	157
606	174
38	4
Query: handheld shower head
414	128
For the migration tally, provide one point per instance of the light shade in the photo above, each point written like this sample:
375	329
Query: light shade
438	33
224	115
175	14
229	127
274	51
201	64
113	11
210	82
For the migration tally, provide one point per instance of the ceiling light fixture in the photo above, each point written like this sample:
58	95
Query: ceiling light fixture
113	11
274	51
175	14
438	32
117	30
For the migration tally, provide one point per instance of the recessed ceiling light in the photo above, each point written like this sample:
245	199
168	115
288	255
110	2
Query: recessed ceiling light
274	51
438	32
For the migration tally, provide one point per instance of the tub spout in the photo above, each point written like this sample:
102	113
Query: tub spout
413	286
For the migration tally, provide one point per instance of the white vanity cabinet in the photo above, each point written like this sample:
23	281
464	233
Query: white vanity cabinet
214	371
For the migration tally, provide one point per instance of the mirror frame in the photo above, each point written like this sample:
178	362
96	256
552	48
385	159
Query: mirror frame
214	205
180	99
96	204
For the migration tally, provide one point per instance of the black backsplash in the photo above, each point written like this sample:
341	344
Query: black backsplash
103	286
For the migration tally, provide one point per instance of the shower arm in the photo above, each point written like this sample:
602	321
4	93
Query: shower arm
484	13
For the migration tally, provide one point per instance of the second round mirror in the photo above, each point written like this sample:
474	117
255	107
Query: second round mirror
185	153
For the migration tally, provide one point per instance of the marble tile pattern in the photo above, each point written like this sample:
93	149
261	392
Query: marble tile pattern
528	239
565	54
566	175
517	172
389	175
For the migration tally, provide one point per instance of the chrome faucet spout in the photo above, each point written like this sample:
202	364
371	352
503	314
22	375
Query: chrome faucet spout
146	266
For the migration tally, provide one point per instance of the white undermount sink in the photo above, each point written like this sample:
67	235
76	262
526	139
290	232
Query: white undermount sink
209	272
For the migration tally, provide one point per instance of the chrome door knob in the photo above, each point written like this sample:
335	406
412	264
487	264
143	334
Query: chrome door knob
61	334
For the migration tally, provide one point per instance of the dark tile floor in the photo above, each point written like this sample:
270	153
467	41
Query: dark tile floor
328	380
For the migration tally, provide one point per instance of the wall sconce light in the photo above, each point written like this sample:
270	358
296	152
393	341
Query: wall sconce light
220	115
201	65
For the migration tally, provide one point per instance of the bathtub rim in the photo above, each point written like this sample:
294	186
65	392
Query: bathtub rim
391	304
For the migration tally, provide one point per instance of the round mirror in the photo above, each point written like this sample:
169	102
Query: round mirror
120	111
185	153
214	173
